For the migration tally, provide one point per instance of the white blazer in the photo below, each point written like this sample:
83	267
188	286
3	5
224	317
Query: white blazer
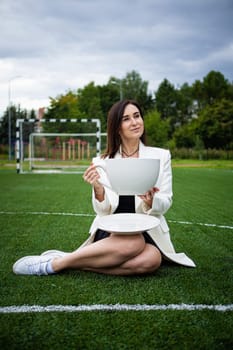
161	203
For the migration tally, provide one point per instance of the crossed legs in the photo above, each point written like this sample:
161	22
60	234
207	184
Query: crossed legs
115	255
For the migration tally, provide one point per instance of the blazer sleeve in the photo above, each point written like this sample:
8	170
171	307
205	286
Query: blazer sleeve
163	199
110	202
108	205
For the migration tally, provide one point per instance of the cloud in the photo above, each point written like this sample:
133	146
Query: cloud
58	45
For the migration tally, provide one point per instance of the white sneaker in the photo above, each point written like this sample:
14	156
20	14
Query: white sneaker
54	253
31	265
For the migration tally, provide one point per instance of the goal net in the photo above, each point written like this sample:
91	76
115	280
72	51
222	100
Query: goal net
57	152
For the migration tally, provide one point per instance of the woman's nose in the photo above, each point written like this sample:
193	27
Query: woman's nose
133	121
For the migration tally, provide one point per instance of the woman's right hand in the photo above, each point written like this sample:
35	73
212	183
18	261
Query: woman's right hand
92	176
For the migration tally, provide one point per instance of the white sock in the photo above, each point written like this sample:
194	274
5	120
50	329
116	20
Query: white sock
49	267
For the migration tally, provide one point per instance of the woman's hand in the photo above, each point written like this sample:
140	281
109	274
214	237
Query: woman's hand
92	176
149	195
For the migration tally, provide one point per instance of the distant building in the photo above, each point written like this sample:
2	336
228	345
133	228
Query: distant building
41	112
40	115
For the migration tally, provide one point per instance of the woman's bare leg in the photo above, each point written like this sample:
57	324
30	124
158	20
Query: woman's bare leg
149	260
106	253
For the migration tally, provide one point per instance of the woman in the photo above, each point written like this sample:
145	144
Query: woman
115	254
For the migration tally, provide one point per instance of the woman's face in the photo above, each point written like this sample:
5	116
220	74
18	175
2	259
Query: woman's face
132	125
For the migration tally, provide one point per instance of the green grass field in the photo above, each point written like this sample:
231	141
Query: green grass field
35	215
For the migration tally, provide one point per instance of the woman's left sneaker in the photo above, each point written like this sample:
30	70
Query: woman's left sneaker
32	265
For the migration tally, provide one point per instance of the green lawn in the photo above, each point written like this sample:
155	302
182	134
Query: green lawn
31	222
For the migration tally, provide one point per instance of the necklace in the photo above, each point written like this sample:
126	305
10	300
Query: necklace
131	154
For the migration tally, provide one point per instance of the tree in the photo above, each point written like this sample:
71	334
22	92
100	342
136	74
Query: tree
63	107
165	99
229	95
198	94
186	135
109	94
184	105
215	125
89	103
213	88
156	129
16	113
135	88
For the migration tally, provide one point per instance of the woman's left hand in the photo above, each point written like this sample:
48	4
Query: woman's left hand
149	195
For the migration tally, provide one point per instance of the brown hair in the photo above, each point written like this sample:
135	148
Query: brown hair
115	115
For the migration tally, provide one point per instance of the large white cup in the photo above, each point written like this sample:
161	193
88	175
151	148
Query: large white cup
130	176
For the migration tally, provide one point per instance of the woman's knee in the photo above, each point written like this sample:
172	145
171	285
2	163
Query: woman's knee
150	261
130	245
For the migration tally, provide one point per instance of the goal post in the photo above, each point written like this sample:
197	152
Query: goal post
55	152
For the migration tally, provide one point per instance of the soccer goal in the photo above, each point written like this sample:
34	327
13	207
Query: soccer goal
40	152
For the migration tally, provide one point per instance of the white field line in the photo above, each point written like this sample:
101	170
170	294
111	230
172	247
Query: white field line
92	215
113	307
42	213
200	223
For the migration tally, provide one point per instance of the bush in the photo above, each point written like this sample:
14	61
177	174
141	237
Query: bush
205	154
3	151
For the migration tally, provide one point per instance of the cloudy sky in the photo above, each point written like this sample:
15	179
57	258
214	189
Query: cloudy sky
48	47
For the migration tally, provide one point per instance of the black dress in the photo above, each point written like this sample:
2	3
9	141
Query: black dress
126	205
